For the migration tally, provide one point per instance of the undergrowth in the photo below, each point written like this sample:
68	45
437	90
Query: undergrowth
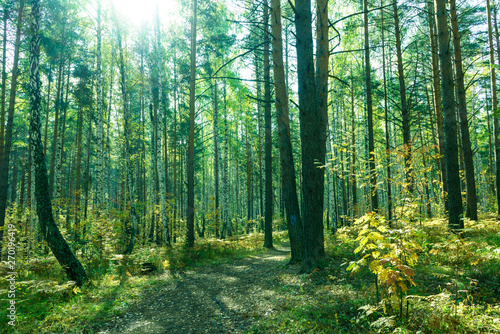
47	303
452	286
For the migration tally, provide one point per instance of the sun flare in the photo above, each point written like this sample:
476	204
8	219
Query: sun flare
139	11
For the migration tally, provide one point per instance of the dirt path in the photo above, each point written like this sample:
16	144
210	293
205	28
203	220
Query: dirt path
223	298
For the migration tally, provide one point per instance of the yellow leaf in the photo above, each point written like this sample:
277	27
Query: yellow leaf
374	266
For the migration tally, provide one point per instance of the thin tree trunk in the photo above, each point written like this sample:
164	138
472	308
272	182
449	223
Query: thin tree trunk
369	111
438	104
60	145
353	148
47	106
226	218
294	221
268	215
4	79
100	180
405	112
190	161
7	144
386	122
216	164
496	129
161	158
128	153
56	127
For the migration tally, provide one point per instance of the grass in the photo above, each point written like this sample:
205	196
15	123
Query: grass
46	303
457	288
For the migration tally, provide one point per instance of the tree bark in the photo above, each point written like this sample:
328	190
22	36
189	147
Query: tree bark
128	153
450	119
471	211
496	129
405	112
369	112
49	229
4	78
313	136
268	215
386	122
100	180
438	103
190	161
294	221
7	143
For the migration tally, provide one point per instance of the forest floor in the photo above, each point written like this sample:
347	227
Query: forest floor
218	298
236	286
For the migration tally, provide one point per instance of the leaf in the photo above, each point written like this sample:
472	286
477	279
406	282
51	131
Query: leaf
374	266
382	275
375	254
392	276
375	236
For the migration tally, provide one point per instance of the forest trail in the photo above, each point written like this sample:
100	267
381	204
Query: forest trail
222	298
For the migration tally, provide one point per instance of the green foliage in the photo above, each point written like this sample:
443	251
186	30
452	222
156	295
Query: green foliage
389	255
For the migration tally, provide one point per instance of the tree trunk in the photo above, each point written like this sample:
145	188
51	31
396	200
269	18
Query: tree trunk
438	103
7	143
369	112
471	211
353	148
294	221
405	113
225	190
4	79
190	161
49	229
386	122
100	180
56	126
60	144
161	158
496	129
216	164
313	135
450	119
268	214
47	106
128	153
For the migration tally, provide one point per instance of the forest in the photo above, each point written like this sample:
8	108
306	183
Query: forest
249	166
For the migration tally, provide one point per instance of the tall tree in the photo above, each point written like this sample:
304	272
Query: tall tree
450	118
470	181
386	123
190	157
48	227
312	134
438	105
127	149
496	130
161	159
405	112
293	219
6	146
268	219
369	112
100	180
